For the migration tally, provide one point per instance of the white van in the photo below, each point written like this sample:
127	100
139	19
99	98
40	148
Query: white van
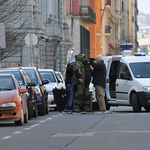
128	81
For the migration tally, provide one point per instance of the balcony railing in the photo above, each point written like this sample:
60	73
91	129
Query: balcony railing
87	14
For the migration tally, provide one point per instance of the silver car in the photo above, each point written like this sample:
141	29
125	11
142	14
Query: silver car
54	83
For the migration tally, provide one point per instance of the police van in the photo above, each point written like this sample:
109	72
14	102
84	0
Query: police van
128	81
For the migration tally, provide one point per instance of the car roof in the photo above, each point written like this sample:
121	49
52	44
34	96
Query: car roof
135	59
45	69
7	75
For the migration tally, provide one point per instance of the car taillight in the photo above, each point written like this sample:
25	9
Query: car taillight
32	92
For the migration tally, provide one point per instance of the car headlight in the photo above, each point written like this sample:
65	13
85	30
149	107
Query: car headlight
9	104
146	88
50	93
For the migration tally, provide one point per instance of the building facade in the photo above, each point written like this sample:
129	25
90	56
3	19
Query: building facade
79	16
49	24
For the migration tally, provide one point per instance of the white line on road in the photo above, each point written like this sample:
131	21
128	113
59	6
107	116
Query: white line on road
55	116
27	129
35	125
43	121
73	135
6	137
48	118
17	132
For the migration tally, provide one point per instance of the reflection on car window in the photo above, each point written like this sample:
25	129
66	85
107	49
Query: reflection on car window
48	75
17	74
6	83
32	75
141	70
124	68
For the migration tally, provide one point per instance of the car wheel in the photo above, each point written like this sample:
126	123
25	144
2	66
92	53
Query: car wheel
147	108
20	122
43	109
107	105
135	103
26	115
30	109
35	112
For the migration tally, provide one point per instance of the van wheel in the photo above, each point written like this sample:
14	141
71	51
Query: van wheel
43	109
135	103
26	115
147	108
107	105
20	122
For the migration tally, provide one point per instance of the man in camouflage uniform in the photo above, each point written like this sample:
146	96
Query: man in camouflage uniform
81	80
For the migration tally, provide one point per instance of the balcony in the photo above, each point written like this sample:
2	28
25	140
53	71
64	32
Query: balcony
108	31
87	14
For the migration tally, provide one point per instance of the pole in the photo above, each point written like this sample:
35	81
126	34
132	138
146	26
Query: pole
31	50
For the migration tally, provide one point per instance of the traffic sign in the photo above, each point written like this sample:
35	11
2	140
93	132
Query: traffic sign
31	39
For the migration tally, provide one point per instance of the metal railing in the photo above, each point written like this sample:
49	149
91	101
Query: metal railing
87	11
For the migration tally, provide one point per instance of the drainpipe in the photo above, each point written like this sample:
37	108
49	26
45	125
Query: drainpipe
60	34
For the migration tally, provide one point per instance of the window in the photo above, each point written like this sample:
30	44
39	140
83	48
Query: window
6	83
141	70
124	68
122	5
48	75
17	74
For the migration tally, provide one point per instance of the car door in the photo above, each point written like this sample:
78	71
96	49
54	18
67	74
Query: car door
123	85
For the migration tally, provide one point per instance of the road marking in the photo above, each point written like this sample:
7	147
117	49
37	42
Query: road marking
55	116
35	125
43	121
17	132
27	129
48	118
6	137
73	135
122	132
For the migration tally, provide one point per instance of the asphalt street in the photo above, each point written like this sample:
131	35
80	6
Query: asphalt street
121	130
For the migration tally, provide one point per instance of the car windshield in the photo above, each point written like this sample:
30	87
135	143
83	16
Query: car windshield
6	83
32	75
59	76
141	70
17	74
48	75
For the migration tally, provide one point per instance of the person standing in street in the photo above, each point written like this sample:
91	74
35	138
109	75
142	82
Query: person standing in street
81	80
99	81
70	92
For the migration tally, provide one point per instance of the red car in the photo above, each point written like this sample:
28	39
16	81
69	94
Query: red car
13	101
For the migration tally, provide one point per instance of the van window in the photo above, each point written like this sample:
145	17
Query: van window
141	70
124	68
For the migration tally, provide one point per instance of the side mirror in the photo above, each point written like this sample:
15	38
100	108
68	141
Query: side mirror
123	76
45	81
31	84
23	91
59	81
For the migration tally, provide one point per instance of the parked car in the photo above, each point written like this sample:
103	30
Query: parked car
60	76
54	83
13	101
41	91
25	83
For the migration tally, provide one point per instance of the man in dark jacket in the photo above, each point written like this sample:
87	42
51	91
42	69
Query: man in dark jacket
99	81
70	92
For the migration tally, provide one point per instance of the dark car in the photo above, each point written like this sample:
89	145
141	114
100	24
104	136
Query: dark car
25	83
41	91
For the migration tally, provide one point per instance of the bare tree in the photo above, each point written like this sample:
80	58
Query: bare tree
18	18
